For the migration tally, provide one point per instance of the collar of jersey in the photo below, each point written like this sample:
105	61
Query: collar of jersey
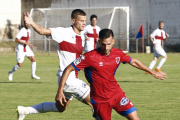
71	27
102	53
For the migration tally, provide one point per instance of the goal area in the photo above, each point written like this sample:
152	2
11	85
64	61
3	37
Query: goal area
115	18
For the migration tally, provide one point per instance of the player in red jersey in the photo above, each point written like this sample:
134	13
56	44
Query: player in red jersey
100	66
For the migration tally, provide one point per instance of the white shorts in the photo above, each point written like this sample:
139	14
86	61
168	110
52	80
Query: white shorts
159	51
75	88
20	54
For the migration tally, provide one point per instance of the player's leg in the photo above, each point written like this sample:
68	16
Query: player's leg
123	106
132	116
31	57
20	58
162	61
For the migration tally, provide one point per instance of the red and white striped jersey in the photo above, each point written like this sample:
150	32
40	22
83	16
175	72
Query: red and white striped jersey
23	35
70	47
92	33
158	36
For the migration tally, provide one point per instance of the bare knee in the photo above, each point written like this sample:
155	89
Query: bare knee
165	57
155	59
19	64
32	58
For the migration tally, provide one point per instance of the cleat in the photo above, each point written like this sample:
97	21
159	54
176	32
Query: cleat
21	112
158	70
10	76
35	77
147	73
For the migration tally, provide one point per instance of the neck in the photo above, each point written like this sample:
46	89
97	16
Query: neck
160	28
93	25
76	30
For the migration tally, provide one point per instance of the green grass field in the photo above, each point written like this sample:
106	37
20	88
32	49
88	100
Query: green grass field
154	99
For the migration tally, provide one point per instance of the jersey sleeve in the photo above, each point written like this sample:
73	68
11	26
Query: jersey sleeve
58	34
81	62
125	58
20	34
153	34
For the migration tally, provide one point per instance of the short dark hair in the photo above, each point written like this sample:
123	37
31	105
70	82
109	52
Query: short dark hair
105	33
93	16
77	12
161	22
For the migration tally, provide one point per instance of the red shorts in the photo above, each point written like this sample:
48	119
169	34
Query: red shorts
122	105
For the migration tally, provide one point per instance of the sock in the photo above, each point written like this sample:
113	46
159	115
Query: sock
152	64
42	108
14	68
33	67
161	63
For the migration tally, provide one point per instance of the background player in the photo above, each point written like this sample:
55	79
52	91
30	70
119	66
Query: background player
23	50
70	45
91	32
157	38
100	66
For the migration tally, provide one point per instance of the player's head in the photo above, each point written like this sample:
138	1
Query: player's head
26	25
93	20
78	18
106	40
161	24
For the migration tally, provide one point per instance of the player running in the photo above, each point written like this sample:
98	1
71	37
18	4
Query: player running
157	38
91	32
100	66
23	50
70	45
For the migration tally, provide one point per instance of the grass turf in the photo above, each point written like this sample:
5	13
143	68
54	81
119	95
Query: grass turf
154	99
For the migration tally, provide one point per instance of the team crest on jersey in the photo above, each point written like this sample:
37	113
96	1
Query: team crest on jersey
77	61
124	101
117	60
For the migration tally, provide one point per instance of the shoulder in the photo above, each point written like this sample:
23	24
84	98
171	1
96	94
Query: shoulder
97	27
92	53
118	52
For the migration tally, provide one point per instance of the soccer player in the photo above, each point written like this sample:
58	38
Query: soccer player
23	50
100	66
70	45
91	32
157	38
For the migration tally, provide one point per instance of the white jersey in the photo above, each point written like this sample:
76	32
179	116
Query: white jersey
70	47
158	36
23	35
91	33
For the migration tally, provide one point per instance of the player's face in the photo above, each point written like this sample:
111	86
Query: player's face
161	25
93	22
80	22
106	45
27	25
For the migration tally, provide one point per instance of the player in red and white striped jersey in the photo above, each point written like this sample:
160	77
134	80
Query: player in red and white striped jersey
70	46
91	32
157	38
23	50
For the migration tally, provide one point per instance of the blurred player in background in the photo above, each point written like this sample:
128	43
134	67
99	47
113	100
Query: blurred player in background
157	38
23	50
70	46
100	66
91	34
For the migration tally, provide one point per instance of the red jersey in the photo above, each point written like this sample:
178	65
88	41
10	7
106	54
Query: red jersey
100	70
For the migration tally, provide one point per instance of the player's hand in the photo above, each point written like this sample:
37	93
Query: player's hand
88	39
28	43
60	98
31	45
159	75
167	35
97	39
28	19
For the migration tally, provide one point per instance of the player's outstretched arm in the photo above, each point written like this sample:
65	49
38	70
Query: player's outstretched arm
38	28
60	98
138	64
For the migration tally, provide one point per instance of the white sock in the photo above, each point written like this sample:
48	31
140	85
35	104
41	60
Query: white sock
42	108
33	67
14	68
161	63
152	64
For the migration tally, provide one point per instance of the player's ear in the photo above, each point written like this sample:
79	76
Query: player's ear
73	20
113	41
